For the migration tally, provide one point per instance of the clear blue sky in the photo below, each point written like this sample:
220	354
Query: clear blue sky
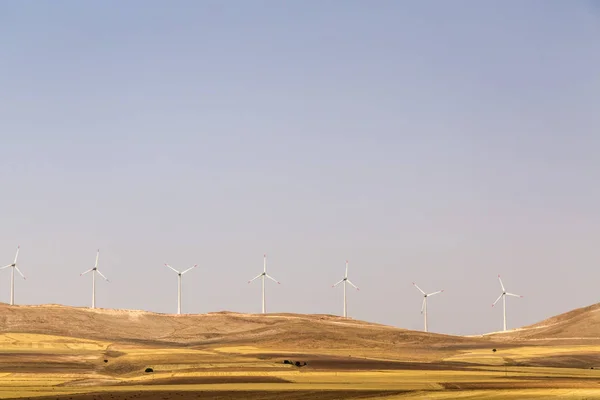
429	141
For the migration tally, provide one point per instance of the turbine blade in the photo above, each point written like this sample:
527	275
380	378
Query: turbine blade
423	304
9	265
89	270
17	254
501	284
255	278
340	281
499	297
346	276
273	279
431	294
100	273
19	271
189	269
420	290
264	263
352	284
513	295
168	266
97	256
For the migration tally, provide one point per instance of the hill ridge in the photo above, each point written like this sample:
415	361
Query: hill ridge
580	323
102	310
216	328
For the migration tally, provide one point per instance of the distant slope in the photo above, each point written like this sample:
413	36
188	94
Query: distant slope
224	328
579	324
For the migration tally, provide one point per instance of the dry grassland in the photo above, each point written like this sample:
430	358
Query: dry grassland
54	352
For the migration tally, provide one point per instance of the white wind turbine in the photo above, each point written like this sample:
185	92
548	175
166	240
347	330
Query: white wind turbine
346	280
94	271
424	306
179	274
263	276
12	276
503	296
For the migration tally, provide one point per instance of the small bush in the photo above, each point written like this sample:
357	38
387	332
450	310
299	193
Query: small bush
149	370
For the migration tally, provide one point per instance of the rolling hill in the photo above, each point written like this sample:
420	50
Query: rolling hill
68	353
292	330
219	328
581	324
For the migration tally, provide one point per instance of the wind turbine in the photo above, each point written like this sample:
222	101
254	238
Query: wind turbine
12	276
179	274
94	271
263	276
503	296
424	306
346	280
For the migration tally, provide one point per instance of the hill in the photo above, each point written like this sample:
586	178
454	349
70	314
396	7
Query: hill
581	324
79	353
220	328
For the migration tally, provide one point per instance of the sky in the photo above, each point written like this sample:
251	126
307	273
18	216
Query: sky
435	142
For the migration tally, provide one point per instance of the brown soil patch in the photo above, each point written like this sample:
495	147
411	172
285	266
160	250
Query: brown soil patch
198	380
361	364
525	384
43	362
231	395
585	361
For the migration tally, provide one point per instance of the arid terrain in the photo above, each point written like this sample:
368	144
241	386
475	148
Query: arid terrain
57	352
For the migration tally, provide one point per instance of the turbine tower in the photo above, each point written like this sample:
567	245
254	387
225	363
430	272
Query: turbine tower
346	280
503	296
263	276
179	274
94	271
424	306
12	276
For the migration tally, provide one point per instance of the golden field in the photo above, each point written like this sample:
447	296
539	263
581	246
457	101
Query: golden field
56	352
